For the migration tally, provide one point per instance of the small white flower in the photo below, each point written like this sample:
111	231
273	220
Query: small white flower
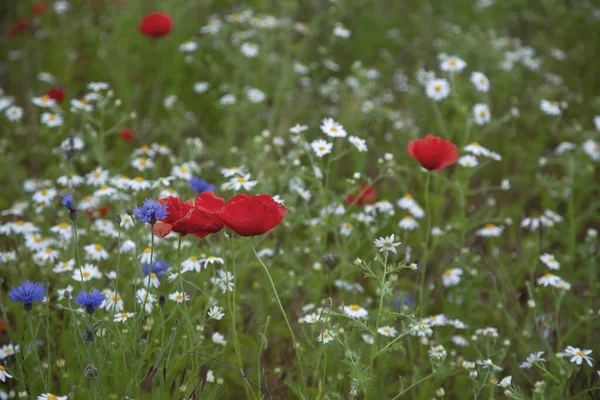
592	149
480	81
550	261
359	143
408	223
249	50
578	356
355	311
468	161
550	107
188	46
437	89
453	64
332	128
387	244
51	120
219	339
387	331
321	147
123	316
481	114
326	337
341	31
490	230
201	87
216	312
451	276
505	382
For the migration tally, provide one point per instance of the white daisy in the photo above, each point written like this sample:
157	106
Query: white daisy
387	244
480	81
321	147
481	114
332	128
550	107
437	89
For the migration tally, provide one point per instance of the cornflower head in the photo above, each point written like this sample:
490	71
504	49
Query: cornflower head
90	301
67	201
159	268
27	293
151	211
201	186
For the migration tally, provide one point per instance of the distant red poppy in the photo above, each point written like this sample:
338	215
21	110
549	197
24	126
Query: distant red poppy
94	213
126	134
39	8
433	153
57	93
17	27
251	215
197	218
365	194
156	24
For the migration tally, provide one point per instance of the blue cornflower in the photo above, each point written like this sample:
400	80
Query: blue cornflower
201	186
67	201
28	292
90	301
159	267
150	211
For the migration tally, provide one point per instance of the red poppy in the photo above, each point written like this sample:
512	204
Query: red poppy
365	194
433	153
39	8
57	93
251	215
197	218
17	27
126	134
94	213
156	24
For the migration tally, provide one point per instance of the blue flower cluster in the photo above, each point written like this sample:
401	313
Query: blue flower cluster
67	201
151	211
27	293
201	186
90	301
159	267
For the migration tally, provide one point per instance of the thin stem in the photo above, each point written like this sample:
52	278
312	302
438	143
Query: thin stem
286	320
382	289
76	244
149	270
426	247
231	303
35	350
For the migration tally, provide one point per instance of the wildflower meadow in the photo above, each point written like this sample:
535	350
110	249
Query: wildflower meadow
317	199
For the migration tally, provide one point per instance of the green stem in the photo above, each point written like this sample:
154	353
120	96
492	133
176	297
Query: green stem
231	303
377	320
305	390
426	247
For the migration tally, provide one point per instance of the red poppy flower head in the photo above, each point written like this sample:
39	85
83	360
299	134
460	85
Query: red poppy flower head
17	27
365	194
432	152
251	215
156	24
39	8
197	218
57	93
126	134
